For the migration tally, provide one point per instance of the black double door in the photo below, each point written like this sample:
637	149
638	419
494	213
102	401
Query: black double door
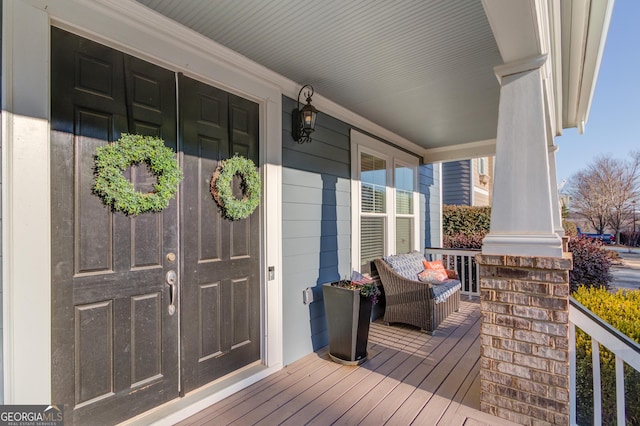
117	348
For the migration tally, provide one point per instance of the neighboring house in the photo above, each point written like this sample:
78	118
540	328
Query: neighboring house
468	182
113	315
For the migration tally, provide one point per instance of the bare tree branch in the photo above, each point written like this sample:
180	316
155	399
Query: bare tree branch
604	191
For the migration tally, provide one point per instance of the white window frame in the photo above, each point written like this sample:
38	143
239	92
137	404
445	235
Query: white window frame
483	166
394	157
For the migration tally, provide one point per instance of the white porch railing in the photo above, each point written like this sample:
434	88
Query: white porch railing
461	261
624	349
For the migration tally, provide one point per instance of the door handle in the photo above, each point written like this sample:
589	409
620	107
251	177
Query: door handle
172	280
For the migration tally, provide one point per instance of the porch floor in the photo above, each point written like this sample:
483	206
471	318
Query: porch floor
409	378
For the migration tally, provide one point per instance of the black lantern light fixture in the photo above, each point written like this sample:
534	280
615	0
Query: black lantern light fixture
304	119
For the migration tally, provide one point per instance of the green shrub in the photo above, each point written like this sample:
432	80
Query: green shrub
464	227
622	311
465	220
591	264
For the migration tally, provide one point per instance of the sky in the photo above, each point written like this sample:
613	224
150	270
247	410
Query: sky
614	119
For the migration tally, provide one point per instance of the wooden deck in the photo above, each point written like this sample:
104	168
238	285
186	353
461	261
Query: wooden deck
410	378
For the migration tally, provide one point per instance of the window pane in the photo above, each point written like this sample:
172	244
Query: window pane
404	233
371	238
404	190
404	202
373	175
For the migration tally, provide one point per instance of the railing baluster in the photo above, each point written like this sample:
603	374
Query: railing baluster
620	390
597	386
470	274
572	375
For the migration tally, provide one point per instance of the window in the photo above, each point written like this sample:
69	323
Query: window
373	206
404	186
384	201
483	166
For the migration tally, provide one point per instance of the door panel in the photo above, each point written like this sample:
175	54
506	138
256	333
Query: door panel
114	344
94	352
221	279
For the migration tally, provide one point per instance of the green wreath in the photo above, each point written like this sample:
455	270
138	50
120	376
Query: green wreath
221	187
118	192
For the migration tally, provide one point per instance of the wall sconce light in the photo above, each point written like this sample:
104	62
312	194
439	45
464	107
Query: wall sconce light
304	119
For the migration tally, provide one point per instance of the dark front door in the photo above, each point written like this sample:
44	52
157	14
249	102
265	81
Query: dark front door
117	351
221	280
115	345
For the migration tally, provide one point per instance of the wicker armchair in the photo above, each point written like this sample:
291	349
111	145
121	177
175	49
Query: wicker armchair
412	302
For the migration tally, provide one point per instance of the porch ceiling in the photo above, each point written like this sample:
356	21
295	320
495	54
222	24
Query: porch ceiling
421	69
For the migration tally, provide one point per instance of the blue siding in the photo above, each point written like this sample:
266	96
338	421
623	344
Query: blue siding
429	179
316	224
456	183
316	219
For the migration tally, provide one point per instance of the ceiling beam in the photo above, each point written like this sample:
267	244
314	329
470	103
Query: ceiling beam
465	151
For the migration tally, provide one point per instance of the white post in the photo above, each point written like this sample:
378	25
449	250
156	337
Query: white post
26	227
522	215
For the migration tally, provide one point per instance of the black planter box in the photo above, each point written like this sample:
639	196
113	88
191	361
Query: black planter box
348	316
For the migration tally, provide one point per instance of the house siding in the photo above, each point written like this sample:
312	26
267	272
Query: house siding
316	224
456	183
430	202
480	199
482	188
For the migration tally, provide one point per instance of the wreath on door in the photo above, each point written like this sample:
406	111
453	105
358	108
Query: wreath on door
132	149
234	208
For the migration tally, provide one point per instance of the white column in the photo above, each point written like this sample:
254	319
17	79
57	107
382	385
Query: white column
555	197
522	216
26	242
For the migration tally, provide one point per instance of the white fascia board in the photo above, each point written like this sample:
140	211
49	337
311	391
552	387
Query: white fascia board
599	21
466	151
585	28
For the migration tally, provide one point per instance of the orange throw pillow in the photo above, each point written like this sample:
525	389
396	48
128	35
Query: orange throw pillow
453	275
436	264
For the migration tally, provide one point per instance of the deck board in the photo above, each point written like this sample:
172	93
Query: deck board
410	378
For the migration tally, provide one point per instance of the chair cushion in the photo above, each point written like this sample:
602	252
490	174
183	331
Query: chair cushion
433	276
441	292
407	265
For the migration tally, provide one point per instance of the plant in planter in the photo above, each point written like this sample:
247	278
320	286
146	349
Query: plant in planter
347	305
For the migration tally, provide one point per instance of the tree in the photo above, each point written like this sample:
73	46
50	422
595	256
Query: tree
603	192
623	190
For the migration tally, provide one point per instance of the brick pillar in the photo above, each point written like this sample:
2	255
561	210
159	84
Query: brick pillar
524	371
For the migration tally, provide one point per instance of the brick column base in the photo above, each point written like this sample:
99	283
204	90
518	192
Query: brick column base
524	371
